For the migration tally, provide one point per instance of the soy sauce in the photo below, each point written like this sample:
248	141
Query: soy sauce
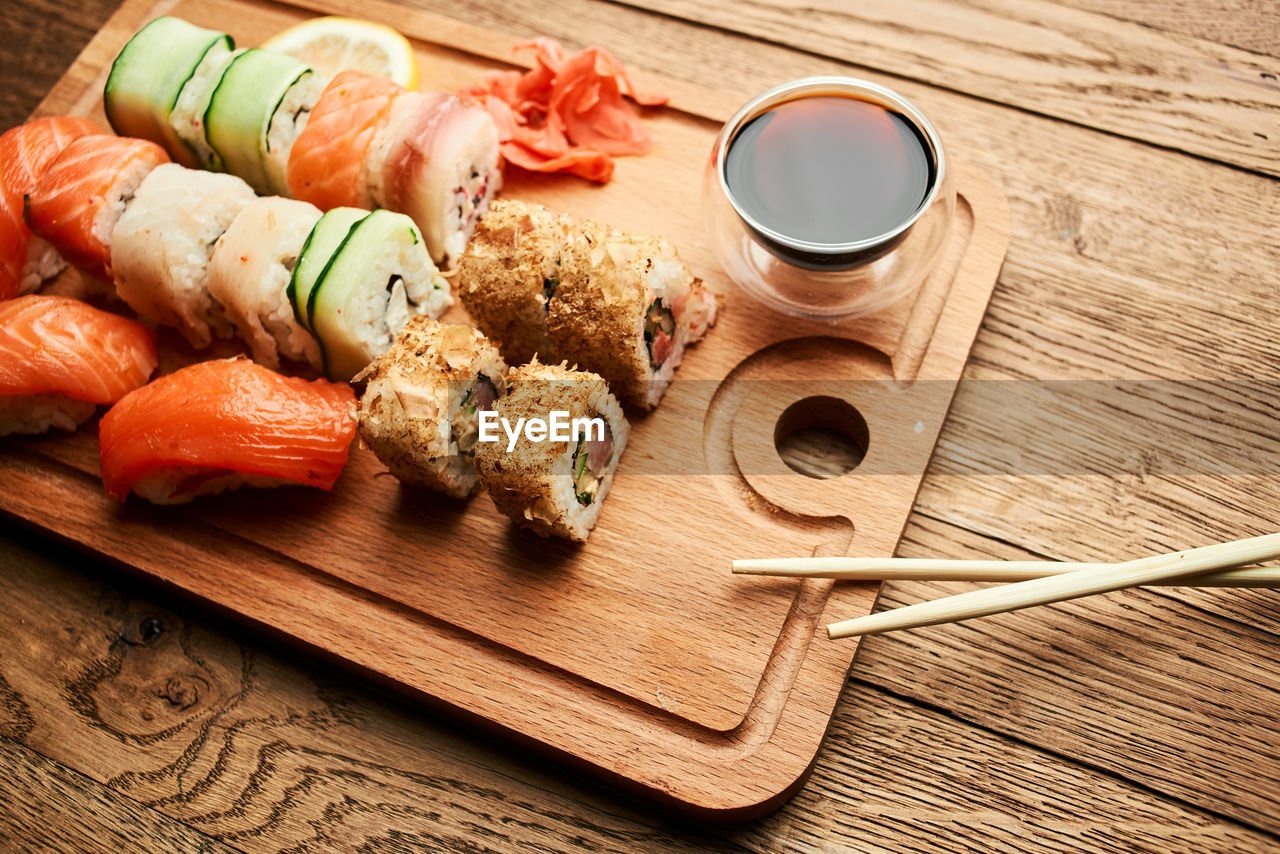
829	169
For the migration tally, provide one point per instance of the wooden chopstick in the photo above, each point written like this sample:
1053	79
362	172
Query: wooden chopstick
1059	588
938	569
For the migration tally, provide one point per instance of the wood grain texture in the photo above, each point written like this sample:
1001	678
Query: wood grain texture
1158	676
41	37
1114	242
1126	261
1249	24
1174	91
179	718
46	807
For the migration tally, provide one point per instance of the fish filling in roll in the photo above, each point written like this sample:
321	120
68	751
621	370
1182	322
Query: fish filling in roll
591	460
465	429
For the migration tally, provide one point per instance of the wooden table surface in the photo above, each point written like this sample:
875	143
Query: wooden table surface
1139	144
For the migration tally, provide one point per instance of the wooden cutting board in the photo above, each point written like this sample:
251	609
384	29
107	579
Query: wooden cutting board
637	656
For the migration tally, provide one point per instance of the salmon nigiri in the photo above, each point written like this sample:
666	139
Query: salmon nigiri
25	154
329	163
223	424
59	358
77	202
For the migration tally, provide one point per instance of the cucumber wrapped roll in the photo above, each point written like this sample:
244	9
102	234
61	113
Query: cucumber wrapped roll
421	404
255	112
143	90
359	279
554	487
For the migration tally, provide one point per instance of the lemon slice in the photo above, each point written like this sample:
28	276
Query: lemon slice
332	44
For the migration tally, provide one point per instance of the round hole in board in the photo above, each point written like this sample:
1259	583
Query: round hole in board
821	437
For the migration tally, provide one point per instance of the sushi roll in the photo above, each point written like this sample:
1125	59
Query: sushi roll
188	116
255	112
223	424
161	246
26	152
421	404
60	358
146	82
510	272
358	280
328	162
553	487
404	105
442	168
78	201
626	308
249	276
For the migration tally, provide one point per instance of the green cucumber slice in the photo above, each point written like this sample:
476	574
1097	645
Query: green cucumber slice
242	108
337	314
147	77
318	250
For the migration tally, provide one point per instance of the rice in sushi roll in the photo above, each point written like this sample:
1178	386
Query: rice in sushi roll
554	488
358	280
249	276
144	94
422	399
510	272
442	167
617	303
626	308
160	248
26	152
329	163
256	110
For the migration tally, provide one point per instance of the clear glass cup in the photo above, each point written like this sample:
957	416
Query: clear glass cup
832	280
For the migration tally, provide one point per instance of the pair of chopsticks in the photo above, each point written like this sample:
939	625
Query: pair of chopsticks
1033	582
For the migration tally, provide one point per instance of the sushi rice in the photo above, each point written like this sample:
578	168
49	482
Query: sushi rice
419	409
249	276
34	414
360	278
161	248
187	118
443	170
554	488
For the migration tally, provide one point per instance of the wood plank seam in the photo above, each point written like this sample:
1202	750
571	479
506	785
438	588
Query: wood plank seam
817	54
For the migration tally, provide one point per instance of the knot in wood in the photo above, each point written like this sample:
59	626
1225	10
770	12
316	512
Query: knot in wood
180	692
142	631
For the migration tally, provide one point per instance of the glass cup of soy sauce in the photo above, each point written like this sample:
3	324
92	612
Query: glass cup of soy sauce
828	197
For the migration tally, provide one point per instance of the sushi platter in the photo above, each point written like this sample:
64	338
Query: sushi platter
635	655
